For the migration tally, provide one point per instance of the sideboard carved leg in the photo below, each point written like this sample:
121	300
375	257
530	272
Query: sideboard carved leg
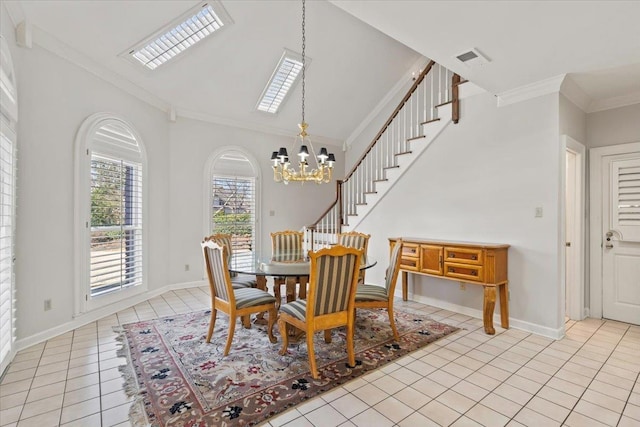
489	304
504	305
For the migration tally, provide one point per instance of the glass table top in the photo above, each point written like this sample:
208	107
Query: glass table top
297	264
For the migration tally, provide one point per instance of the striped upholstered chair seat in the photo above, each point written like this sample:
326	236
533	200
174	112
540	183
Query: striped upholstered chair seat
354	239
371	293
240	302
237	281
250	297
374	296
330	302
297	309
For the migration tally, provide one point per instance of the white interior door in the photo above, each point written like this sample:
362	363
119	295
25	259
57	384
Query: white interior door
621	237
574	208
570	212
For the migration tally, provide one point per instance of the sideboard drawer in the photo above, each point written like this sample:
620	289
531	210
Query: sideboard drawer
472	273
463	255
410	250
407	263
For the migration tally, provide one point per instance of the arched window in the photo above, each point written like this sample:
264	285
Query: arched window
232	183
8	122
111	194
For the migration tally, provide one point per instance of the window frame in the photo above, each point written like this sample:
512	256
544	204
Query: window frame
84	302
9	121
209	173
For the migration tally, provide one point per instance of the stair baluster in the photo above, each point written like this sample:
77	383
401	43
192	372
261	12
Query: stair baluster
433	87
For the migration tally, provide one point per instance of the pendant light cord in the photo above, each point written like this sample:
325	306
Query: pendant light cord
303	59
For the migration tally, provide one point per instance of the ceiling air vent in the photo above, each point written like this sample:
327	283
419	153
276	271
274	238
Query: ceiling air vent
472	58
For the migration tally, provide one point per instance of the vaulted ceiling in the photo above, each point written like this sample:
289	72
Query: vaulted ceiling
359	50
352	67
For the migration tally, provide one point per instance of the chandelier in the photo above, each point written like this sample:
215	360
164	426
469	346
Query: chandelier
282	169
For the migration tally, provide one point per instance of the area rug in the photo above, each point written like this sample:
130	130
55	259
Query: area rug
180	380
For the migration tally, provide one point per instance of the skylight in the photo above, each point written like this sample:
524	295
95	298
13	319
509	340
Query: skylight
283	78
194	26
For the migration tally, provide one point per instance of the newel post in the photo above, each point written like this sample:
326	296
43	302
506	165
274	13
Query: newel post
455	106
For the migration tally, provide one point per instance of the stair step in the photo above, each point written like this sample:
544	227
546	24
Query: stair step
416	137
444	103
403	153
390	167
431	121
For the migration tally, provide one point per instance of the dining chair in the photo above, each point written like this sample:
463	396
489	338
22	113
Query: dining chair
237	281
234	302
354	239
329	303
375	296
287	246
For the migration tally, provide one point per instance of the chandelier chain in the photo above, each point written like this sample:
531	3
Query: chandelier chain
324	161
303	57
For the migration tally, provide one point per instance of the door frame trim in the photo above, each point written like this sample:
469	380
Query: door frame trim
595	220
577	289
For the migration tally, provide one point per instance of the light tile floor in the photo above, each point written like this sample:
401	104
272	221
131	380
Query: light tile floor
589	378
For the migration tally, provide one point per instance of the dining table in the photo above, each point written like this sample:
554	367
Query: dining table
294	268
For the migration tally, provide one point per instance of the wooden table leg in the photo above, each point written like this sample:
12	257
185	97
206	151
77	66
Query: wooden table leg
504	305
303	281
405	280
261	283
488	306
291	289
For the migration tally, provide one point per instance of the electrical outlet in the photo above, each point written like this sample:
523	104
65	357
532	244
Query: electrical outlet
47	305
463	286
272	213
538	213
186	267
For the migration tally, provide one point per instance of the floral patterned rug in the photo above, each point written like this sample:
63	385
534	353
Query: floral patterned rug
180	380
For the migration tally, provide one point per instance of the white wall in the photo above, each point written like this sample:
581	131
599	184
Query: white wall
481	180
611	127
572	120
55	97
192	144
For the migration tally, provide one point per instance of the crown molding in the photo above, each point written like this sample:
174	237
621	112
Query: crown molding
255	127
15	11
64	51
395	90
50	43
614	102
530	91
574	93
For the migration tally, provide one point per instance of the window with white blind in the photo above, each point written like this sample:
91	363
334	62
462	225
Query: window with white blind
233	199
8	121
116	224
112	241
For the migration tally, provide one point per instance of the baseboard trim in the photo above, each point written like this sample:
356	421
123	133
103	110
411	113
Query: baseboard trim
544	331
95	315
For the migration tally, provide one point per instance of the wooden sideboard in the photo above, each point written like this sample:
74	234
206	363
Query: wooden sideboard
482	264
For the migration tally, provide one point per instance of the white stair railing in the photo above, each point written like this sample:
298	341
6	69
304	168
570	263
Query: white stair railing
432	88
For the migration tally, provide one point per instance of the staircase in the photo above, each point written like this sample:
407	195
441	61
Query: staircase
429	106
